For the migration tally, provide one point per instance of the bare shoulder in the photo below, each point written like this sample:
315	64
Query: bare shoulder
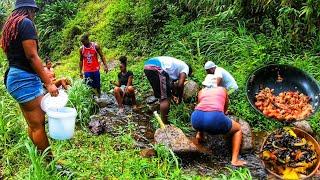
97	46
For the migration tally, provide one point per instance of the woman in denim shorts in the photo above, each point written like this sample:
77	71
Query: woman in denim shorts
23	78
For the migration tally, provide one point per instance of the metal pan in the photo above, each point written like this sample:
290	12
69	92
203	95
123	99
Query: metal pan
294	79
302	134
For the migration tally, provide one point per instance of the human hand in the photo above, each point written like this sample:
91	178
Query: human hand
52	89
81	75
175	100
226	112
106	69
125	91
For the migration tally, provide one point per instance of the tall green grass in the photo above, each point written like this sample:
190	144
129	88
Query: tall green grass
81	98
238	174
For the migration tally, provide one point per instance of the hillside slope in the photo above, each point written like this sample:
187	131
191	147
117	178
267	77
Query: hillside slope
144	29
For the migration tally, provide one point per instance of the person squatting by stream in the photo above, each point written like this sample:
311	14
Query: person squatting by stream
209	116
124	87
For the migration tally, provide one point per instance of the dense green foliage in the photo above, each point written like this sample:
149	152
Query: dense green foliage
231	44
239	35
51	20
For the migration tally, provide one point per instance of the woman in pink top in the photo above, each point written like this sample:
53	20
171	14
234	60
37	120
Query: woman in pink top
209	116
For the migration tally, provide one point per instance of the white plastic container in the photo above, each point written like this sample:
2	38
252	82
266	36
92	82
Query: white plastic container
61	122
49	101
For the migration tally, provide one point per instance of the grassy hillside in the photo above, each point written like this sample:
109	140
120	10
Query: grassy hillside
127	28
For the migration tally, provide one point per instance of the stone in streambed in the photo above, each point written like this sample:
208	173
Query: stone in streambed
151	104
97	127
191	89
174	139
304	125
247	137
151	100
104	100
147	153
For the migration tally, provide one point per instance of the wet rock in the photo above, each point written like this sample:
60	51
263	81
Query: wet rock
97	127
190	89
151	104
116	124
147	153
151	100
142	129
247	137
174	138
254	164
304	125
105	100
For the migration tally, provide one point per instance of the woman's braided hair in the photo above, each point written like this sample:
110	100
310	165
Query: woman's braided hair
11	26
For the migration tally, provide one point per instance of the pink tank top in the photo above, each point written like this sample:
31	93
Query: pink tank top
212	99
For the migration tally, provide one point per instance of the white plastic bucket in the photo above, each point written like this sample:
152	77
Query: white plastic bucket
61	122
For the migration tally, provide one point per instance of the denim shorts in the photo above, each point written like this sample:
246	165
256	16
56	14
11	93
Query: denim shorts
212	122
93	79
23	86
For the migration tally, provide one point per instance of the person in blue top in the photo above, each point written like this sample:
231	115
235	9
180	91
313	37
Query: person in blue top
161	72
26	74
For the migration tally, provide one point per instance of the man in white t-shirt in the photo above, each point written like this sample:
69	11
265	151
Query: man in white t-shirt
161	72
223	77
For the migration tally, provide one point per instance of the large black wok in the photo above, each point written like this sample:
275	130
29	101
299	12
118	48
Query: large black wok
294	79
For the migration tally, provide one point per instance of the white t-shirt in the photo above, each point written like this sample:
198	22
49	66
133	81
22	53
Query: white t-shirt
227	80
173	66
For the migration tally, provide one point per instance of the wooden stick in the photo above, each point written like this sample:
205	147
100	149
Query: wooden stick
162	126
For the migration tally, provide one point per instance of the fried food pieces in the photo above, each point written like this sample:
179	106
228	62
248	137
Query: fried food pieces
288	155
286	106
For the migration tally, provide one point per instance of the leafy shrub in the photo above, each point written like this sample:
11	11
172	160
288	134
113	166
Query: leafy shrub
80	97
51	20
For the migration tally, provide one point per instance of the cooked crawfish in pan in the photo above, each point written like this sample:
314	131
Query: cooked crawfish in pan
286	106
288	155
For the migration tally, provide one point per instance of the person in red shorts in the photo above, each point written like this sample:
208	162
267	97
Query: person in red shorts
89	63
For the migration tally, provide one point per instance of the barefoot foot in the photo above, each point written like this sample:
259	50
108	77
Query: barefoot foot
121	110
238	163
199	137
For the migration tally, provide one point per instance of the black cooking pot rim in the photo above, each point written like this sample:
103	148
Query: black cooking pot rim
283	65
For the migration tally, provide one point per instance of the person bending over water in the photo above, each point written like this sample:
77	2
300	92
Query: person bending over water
124	87
209	116
161	73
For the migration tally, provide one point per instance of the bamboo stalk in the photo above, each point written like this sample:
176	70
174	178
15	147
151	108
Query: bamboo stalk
162	126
